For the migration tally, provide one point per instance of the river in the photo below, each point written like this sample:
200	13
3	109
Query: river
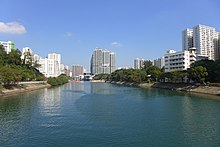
101	114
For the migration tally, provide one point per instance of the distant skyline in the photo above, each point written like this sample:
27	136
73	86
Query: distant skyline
74	28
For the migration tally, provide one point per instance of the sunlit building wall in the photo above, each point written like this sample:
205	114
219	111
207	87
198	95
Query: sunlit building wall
8	45
102	61
138	63
187	39
159	62
179	60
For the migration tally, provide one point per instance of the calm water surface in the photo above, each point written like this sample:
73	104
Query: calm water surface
101	114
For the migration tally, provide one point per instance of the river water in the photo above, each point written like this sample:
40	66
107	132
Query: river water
101	114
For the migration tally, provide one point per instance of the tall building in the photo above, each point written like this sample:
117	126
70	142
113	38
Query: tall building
179	60
77	70
9	45
57	63
47	67
112	62
97	61
102	61
187	39
51	66
217	49
55	56
159	62
106	62
204	39
218	45
64	69
138	63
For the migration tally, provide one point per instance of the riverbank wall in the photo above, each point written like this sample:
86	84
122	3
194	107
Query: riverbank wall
212	90
24	88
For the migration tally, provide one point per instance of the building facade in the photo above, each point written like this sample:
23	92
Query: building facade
159	62
97	61
106	62
179	60
51	66
187	39
102	61
204	39
138	63
112	62
217	51
9	45
77	71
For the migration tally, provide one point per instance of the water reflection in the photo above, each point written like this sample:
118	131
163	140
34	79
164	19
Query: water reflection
16	117
49	102
200	121
101	114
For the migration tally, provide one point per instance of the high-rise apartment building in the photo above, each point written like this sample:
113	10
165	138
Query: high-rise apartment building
77	70
102	61
64	69
204	39
217	49
48	67
187	39
57	63
112	62
51	66
55	56
106	61
9	45
159	62
138	63
97	61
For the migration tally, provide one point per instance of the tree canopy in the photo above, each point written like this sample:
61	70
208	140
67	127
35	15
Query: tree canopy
13	70
200	72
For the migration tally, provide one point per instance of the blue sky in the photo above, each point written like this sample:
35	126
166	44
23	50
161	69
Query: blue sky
131	28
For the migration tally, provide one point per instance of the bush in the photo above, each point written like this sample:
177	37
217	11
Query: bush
214	84
1	87
60	80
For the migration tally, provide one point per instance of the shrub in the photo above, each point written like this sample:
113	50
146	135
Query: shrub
62	79
214	84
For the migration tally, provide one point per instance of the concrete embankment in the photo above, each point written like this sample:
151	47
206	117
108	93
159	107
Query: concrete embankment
24	88
189	88
212	90
98	81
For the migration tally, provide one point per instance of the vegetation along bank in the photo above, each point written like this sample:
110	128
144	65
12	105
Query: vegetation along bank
14	70
203	77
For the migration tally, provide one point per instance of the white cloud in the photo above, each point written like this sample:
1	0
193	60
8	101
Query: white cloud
12	28
116	44
68	34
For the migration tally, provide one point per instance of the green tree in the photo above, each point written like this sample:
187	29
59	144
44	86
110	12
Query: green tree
147	64
102	77
55	81
154	72
9	75
13	58
2	55
210	66
27	59
198	74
